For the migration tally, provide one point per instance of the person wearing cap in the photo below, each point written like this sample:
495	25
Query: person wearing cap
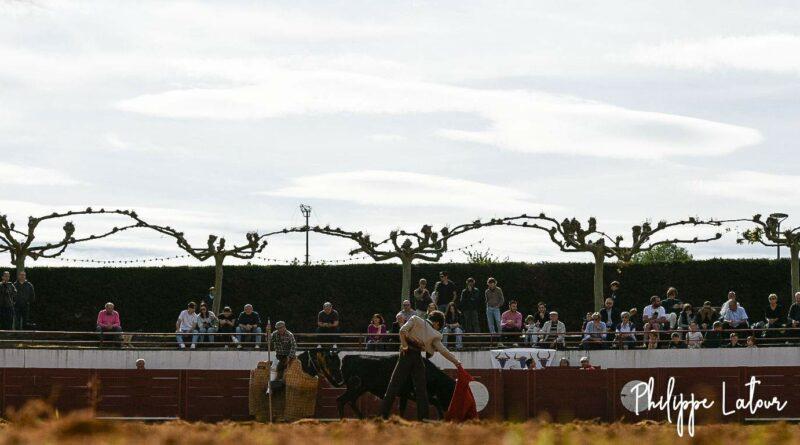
140	364
585	365
552	333
614	290
209	299
416	335
285	347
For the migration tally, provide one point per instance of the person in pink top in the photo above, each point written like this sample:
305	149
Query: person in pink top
108	321
511	322
376	331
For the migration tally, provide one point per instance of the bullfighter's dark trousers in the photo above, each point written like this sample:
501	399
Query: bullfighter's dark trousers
408	364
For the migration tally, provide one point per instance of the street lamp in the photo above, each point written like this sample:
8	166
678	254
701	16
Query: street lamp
306	211
780	217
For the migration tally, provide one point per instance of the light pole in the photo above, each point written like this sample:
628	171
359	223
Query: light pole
306	211
779	217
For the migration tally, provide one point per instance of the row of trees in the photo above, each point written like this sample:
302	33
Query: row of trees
570	235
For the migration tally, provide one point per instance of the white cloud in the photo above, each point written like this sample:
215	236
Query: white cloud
386	137
34	176
406	189
779	53
525	121
758	187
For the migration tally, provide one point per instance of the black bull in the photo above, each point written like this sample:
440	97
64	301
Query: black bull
371	373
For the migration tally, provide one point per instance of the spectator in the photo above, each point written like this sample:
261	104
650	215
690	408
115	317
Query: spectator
652	339
585	365
735	317
186	324
328	323
694	338
8	296
531	331
285	347
494	301
431	309
734	340
563	363
594	335
751	341
676	342
794	316
406	310
375	332
511	322
610	315
399	321
673	306
774	316
26	295
108	321
615	286
586	321
706	316
469	304
445	290
541	316
626	332
422	298
249	322
140	364
716	337
655	311
635	319
726	305
207	325
687	316
552	333
452	324
227	323
208	300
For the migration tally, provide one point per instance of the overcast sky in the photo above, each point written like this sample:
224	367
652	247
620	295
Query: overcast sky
222	117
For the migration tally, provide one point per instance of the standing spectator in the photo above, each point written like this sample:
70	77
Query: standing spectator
285	347
614	287
511	322
594	335
108	321
445	290
673	306
8	295
531	331
734	340
541	316
694	338
249	322
655	312
186	324
610	315
735	317
399	321
724	309
208	300
715	338
26	295
494	301
626	332
794	316
774	315
328	323
227	323
552	333
676	342
469	304
376	332
406	310
452	325
687	317
706	316
422	298
207	325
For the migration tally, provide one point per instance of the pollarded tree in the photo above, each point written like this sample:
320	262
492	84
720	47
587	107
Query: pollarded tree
570	236
768	234
425	245
21	245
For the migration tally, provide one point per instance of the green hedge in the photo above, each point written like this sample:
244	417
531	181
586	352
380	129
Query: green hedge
149	299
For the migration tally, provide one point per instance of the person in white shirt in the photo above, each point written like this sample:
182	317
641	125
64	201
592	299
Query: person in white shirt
727	304
655	311
186	324
416	335
694	338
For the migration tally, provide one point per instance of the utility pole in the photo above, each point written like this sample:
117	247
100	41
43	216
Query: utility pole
780	217
306	211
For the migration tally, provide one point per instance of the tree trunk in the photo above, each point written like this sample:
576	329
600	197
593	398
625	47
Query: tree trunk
795	266
218	283
406	292
20	263
599	260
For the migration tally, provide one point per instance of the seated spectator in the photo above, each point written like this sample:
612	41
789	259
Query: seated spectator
687	317
626	332
751	341
376	332
552	333
610	315
635	319
422	298
652	325
793	318
706	316
653	340
452	324
249	322
531	331
285	347
716	337
186	324
207	325
673	306
541	316
735	317
227	323
431	309
675	342
511	322
726	305
108	321
774	316
586	321
655	311
694	338
328	323
734	341
406	310
585	365
594	335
